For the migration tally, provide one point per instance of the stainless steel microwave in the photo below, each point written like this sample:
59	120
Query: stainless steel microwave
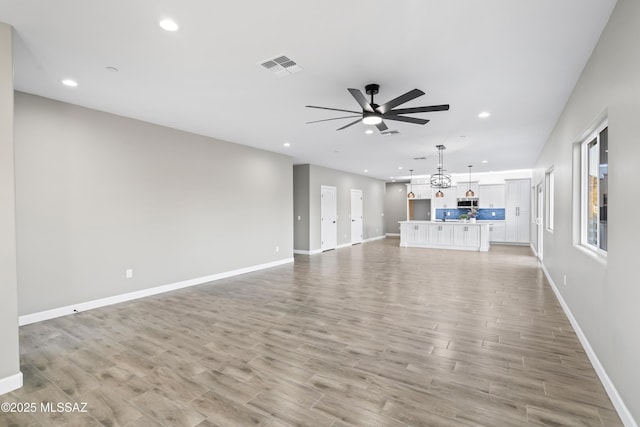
468	202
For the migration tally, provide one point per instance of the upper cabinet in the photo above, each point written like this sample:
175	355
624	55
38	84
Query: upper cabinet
422	191
463	187
449	201
517	194
491	196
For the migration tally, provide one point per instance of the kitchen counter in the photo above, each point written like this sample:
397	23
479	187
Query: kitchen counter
456	235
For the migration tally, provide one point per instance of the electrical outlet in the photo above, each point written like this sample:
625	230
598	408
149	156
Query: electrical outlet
493	214
277	249
565	279
129	273
299	217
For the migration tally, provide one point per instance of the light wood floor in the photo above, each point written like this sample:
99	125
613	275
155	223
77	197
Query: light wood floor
373	335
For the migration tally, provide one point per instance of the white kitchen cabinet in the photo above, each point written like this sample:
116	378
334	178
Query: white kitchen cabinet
466	235
441	234
497	231
422	191
491	196
449	201
463	187
517	210
413	234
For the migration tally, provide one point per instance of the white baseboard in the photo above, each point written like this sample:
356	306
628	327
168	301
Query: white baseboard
342	246
393	234
312	252
11	383
616	399
102	302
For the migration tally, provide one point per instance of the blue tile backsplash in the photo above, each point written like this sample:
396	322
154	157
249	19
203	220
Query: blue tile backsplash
483	214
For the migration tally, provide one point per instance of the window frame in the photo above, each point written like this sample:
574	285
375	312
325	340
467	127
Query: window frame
584	191
549	189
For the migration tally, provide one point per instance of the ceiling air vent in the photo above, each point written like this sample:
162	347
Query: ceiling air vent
281	66
420	158
390	132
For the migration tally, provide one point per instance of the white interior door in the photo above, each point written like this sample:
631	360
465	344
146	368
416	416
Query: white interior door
328	218
356	216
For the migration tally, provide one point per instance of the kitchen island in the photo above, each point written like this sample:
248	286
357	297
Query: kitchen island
464	236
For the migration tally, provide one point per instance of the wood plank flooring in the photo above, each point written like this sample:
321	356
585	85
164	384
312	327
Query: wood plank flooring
372	335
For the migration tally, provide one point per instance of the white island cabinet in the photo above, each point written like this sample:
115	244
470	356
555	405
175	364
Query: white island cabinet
445	235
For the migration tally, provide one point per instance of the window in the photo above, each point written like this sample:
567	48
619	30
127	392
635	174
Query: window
595	177
549	192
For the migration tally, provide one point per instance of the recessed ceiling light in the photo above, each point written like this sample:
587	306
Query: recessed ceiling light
168	25
393	180
485	161
366	170
390	177
70	83
287	144
400	168
368	131
484	114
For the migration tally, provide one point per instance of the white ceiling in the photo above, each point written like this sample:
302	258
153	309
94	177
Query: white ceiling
518	60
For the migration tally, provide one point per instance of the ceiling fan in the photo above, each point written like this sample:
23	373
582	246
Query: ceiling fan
374	114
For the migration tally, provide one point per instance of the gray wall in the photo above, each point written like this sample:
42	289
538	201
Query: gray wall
301	207
373	204
603	293
9	355
395	206
97	194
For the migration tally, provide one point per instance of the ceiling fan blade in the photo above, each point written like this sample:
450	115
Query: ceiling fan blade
412	94
361	100
444	107
350	124
334	109
407	119
381	126
335	118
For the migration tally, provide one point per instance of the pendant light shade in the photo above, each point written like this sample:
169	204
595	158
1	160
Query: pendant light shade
470	192
411	195
439	194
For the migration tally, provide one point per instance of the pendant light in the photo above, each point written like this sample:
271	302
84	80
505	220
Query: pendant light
440	180
411	195
470	192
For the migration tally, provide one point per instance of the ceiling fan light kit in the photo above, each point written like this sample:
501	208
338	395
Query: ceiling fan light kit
371	119
374	114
